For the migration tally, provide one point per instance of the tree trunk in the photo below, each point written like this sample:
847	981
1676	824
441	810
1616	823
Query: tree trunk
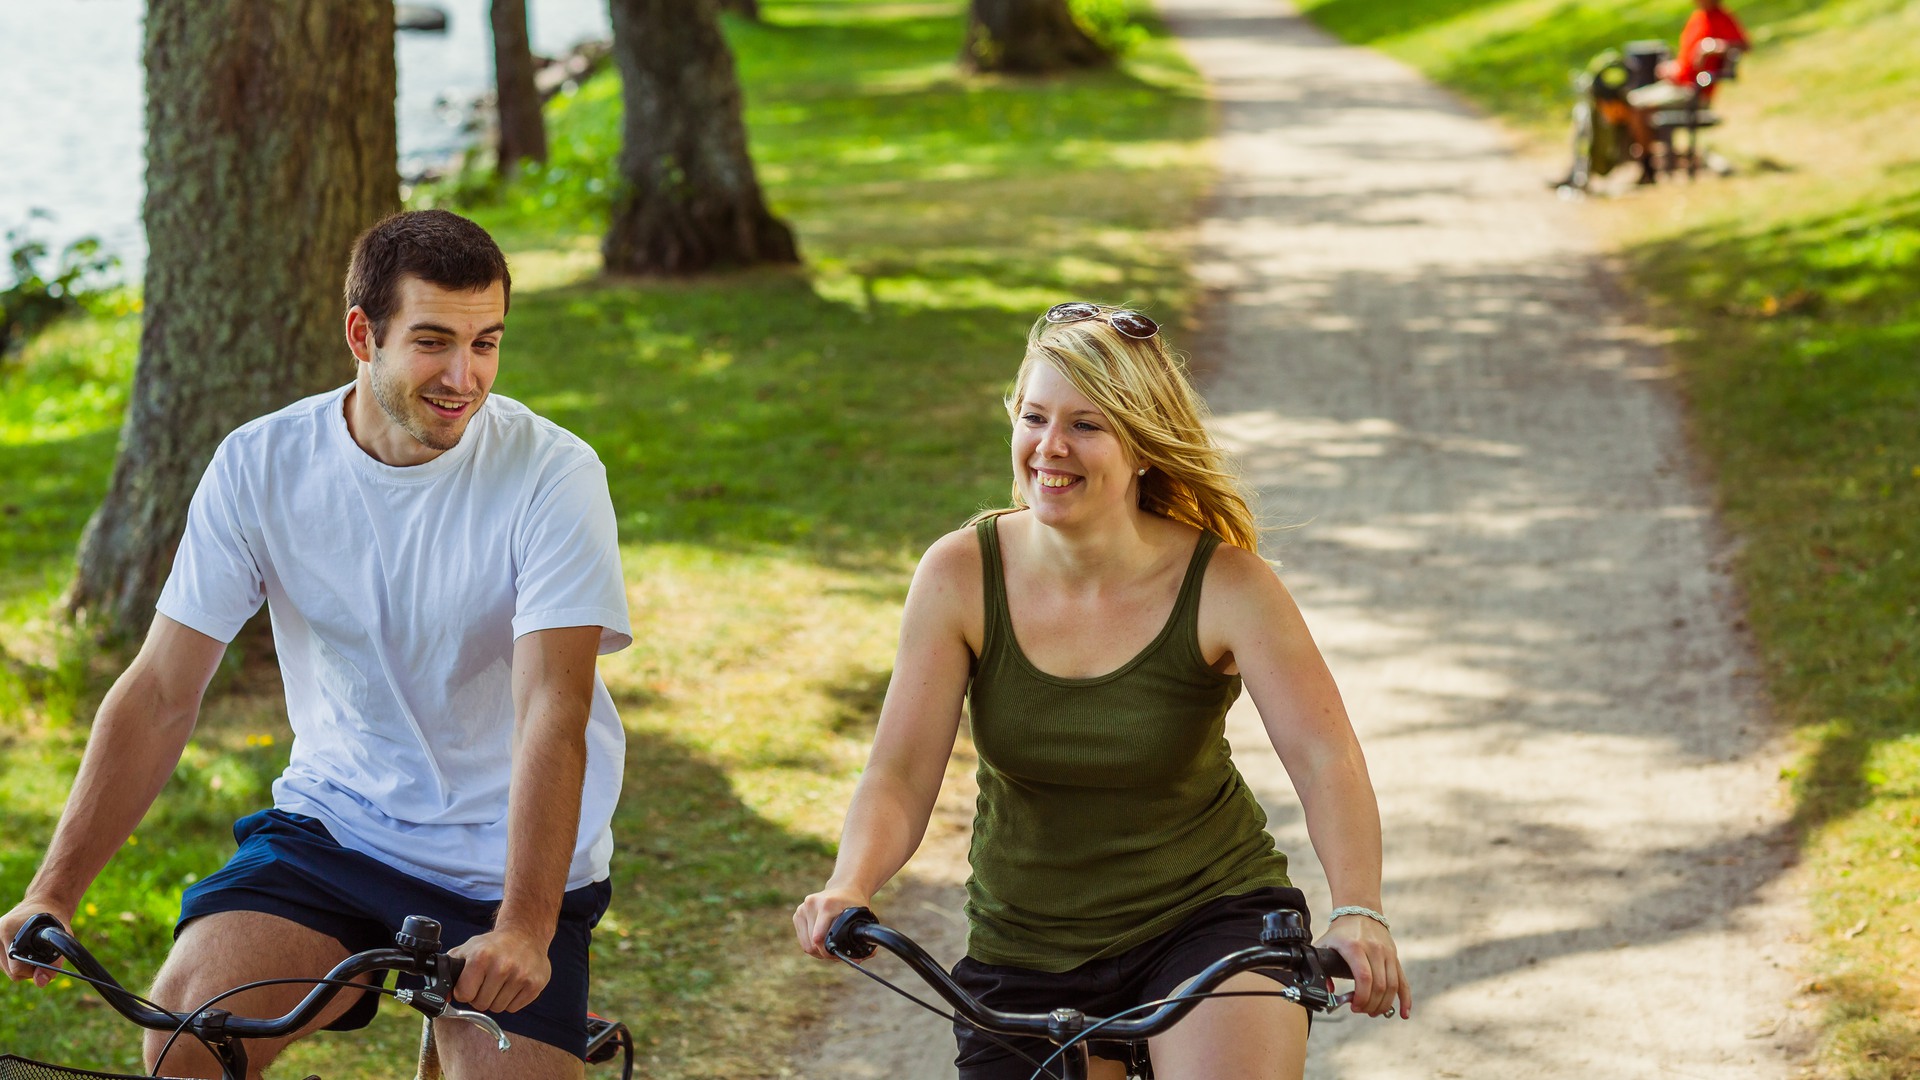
689	200
523	132
1028	37
747	9
270	145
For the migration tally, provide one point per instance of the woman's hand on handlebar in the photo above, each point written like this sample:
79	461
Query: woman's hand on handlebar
1379	984
816	913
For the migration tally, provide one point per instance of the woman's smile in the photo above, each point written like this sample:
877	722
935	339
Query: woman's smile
1054	481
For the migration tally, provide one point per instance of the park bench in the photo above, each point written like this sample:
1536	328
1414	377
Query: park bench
1600	135
1716	62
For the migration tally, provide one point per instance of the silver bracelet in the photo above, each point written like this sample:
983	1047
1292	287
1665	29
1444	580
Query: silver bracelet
1356	909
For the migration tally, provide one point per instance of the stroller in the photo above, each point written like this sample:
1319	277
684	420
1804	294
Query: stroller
1601	140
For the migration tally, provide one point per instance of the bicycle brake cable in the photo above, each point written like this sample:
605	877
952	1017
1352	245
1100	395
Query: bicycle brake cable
1040	1067
104	984
190	1017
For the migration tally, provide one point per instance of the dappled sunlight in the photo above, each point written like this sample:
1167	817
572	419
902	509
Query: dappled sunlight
537	269
956	293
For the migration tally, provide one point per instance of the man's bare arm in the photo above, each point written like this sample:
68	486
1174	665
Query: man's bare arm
552	694
137	737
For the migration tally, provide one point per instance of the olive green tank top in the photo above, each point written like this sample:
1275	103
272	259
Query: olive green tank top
1109	808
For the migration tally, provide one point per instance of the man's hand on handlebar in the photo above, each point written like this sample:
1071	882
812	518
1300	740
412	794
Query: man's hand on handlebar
504	971
817	912
1379	985
10	925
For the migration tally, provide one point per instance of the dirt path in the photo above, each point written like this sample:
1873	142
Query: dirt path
1515	575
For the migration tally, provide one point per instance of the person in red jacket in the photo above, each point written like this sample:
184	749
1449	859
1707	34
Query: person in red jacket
1710	31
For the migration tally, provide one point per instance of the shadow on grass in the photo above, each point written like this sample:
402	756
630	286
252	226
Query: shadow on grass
697	938
1791	332
1794	326
857	705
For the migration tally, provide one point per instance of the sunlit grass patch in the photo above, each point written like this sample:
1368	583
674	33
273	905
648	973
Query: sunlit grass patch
61	400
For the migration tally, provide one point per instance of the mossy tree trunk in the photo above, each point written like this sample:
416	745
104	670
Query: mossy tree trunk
1028	37
270	145
689	200
523	132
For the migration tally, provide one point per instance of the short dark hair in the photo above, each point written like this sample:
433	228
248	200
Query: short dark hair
436	246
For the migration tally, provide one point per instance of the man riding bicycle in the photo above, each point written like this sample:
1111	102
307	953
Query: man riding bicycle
442	569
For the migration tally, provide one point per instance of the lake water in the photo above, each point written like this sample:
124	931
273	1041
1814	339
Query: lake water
72	107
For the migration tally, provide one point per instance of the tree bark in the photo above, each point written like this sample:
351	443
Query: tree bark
748	9
689	200
270	145
523	132
1028	37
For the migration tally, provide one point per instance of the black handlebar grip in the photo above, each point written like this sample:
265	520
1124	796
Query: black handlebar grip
843	938
451	966
27	943
1333	964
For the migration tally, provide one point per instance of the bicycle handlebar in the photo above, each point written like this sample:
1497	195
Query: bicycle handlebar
1284	944
43	940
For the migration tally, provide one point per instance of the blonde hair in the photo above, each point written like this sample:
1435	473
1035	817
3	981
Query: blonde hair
1148	398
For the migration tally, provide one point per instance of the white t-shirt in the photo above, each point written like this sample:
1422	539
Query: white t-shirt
396	595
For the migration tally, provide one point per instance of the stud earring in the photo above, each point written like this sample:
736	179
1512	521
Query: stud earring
1143	472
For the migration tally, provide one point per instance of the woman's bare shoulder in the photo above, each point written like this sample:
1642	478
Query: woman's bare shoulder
948	585
956	552
952	564
1236	572
1234	559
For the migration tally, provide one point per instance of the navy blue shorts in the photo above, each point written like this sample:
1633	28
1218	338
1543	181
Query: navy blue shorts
1151	970
289	865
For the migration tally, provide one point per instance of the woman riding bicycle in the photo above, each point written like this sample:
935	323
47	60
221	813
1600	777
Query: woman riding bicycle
1098	630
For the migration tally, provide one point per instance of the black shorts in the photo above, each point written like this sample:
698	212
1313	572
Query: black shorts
1151	970
289	865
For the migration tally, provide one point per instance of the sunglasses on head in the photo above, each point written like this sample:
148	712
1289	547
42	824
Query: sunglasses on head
1131	323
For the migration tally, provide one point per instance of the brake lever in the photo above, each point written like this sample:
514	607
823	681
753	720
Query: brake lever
477	1019
421	936
437	1007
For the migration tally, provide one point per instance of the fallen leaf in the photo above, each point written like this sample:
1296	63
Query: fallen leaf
1855	930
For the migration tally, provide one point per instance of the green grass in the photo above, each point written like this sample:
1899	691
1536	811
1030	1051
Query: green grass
1514	57
781	444
1801	334
1793	293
